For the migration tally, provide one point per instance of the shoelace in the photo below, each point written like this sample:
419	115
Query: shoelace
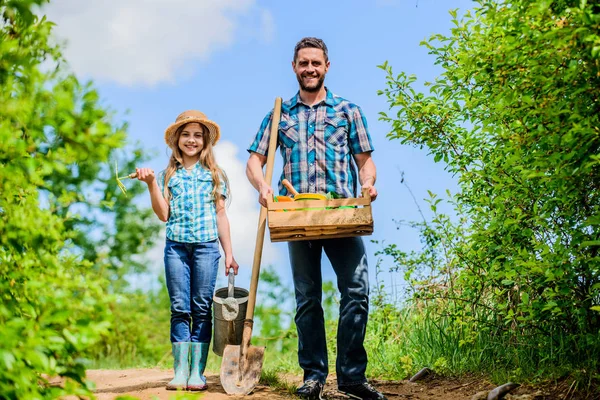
371	388
311	383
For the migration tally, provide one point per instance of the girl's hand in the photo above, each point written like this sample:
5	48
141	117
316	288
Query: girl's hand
231	263
145	175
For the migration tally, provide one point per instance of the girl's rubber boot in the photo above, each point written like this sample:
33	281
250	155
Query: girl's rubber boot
181	365
197	381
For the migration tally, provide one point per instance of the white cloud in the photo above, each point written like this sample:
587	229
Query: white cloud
243	209
147	41
268	25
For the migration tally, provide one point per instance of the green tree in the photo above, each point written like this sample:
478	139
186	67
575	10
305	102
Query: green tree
65	244
515	116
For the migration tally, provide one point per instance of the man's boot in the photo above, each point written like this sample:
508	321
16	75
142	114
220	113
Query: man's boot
362	391
181	365
197	381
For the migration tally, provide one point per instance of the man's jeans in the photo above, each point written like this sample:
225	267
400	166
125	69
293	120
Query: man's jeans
191	273
349	261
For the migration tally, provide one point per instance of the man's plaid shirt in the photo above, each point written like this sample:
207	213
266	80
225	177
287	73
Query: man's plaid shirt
192	210
317	144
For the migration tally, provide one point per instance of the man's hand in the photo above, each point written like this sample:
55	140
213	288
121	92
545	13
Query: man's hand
254	172
146	175
372	191
265	192
367	172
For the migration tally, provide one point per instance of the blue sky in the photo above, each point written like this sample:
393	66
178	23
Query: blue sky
230	59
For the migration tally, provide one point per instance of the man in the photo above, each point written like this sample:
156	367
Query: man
319	136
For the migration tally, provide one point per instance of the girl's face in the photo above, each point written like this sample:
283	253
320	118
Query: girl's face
191	140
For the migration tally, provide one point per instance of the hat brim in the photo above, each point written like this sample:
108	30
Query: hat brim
214	131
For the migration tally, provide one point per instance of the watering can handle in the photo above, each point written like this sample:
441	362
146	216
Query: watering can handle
231	284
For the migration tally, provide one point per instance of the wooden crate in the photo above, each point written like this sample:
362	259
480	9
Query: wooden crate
321	219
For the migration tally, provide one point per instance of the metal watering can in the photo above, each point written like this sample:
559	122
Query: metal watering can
229	312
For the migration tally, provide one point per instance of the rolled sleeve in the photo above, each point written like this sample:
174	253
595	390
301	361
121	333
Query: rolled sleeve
161	181
223	188
360	140
261	140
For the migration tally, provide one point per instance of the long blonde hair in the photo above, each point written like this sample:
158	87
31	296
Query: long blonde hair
206	159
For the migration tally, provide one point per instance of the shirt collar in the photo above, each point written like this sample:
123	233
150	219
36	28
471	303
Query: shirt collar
328	99
197	168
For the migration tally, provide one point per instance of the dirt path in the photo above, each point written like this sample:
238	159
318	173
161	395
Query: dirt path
149	384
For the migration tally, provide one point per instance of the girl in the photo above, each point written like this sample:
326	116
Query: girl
190	197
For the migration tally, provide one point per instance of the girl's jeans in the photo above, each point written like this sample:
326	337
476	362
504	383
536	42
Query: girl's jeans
191	273
349	261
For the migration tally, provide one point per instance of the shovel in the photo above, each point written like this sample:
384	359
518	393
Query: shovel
242	365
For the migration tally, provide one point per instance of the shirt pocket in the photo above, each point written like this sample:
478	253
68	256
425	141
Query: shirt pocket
175	185
205	186
336	129
288	132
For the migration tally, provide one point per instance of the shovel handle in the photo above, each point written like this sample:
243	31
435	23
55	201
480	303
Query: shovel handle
262	218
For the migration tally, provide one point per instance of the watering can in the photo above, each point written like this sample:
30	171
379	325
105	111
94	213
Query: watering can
229	311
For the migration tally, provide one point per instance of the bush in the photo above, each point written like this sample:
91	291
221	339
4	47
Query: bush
514	116
55	280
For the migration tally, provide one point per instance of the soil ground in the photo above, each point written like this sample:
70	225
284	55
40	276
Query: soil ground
147	384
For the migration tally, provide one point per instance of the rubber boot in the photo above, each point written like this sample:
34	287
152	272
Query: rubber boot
197	380
181	365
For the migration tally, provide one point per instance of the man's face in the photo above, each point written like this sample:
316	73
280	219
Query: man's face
310	68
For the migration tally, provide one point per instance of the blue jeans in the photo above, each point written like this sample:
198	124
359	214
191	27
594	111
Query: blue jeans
349	261
191	273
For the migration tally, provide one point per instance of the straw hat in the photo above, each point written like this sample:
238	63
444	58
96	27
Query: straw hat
192	116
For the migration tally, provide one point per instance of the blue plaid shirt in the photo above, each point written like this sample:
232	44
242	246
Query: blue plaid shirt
317	144
192	210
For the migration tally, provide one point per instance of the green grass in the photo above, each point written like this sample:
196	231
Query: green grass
273	379
400	341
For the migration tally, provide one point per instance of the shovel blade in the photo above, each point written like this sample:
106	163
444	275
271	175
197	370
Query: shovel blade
241	382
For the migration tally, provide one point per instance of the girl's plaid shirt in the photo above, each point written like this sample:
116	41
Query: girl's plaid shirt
192	210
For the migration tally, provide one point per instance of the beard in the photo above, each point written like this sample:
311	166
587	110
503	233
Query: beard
311	89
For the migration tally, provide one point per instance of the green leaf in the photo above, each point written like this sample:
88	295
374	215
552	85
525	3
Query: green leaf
590	243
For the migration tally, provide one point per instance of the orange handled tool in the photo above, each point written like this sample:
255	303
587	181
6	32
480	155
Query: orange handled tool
289	187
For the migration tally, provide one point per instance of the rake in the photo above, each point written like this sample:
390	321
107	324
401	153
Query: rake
120	184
